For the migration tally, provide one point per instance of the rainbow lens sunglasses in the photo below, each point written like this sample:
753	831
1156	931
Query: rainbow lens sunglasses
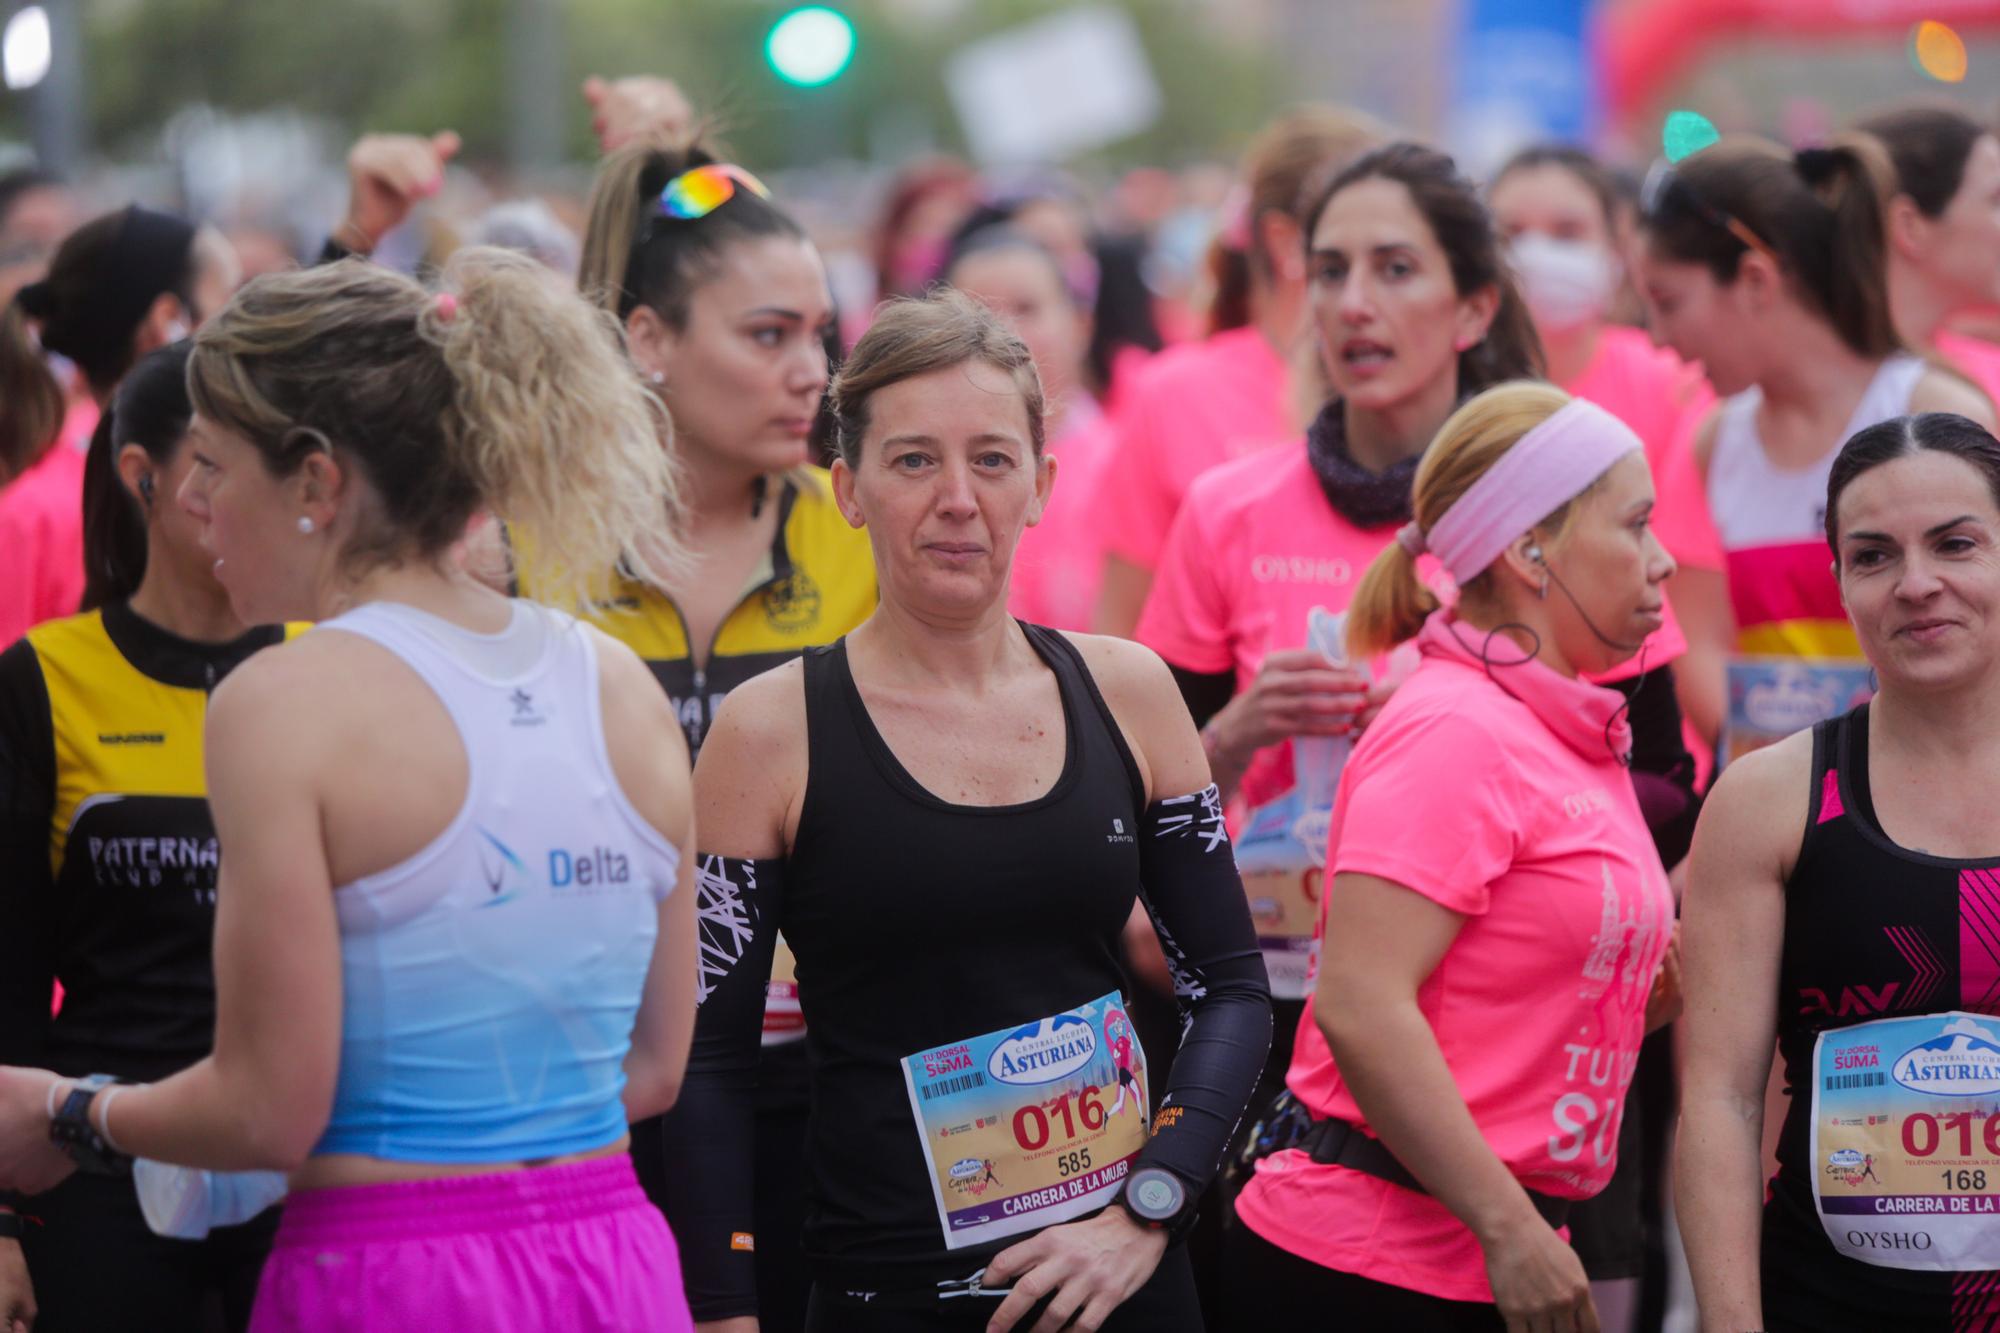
700	191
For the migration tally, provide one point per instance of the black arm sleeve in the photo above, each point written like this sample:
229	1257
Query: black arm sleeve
1662	768
710	1133
1190	888
27	892
1205	693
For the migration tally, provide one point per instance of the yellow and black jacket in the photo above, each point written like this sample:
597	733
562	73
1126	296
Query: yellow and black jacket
816	584
107	850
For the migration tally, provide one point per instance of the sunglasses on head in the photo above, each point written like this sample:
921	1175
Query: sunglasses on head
699	191
1664	188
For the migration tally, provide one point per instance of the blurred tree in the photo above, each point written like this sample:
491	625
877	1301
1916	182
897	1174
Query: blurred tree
423	64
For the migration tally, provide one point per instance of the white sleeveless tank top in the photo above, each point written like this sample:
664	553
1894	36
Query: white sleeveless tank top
492	980
1756	503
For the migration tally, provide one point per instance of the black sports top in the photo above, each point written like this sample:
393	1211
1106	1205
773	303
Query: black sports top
918	923
107	850
1872	931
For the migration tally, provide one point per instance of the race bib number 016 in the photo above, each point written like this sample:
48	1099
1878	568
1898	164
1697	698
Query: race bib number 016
1906	1141
1033	1125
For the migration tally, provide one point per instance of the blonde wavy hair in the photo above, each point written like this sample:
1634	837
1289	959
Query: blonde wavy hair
1392	603
513	396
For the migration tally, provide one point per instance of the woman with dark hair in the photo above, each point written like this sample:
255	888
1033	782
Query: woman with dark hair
1769	268
724	305
1204	403
1944	231
108	869
1496	914
1840	909
118	287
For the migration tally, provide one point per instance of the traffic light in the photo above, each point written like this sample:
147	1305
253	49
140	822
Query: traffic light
810	46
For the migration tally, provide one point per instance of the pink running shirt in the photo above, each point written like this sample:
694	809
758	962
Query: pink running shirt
1060	560
1186	410
1976	357
1497	797
41	533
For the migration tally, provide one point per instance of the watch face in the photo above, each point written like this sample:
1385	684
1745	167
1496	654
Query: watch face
1157	1196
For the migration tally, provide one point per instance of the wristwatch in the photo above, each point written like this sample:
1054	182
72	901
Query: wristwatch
74	1134
1158	1200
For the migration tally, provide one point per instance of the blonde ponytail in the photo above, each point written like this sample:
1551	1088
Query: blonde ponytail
1392	602
506	393
555	431
1390	605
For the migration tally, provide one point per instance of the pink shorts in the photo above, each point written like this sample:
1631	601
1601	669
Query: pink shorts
561	1249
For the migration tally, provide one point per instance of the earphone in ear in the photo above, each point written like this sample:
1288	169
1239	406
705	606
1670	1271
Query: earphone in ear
146	487
1535	553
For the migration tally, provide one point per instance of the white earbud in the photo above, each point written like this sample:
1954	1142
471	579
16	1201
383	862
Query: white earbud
305	524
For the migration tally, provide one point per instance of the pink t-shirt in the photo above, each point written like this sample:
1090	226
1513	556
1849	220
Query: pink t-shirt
1497	797
1663	399
1255	547
1187	409
1060	560
41	533
1978	358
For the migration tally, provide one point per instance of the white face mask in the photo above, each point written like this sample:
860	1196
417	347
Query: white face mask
1566	284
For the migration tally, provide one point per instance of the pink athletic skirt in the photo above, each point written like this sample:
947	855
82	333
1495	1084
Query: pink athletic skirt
560	1249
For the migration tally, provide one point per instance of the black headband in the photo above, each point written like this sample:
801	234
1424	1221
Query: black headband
148	255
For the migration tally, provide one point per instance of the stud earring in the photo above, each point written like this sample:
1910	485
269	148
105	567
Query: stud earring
658	377
305	525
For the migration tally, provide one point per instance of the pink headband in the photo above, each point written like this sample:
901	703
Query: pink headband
1548	467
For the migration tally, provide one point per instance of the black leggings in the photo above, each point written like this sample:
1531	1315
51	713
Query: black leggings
1166	1304
1265	1287
97	1267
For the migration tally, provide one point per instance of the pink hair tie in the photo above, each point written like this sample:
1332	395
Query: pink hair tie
1411	538
447	307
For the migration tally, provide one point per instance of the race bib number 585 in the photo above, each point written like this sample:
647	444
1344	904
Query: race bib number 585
1033	1125
1906	1141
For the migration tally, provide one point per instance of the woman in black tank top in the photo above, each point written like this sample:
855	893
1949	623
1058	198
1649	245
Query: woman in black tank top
1844	903
950	815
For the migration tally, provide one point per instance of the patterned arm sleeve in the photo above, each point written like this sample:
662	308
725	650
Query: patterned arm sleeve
709	1136
1191	890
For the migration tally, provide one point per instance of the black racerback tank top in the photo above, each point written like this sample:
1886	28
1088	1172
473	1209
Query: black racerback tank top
1872	930
918	922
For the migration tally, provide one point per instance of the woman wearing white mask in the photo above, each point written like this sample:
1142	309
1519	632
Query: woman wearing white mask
1556	206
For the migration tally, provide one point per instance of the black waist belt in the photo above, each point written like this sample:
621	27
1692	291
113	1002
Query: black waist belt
1338	1143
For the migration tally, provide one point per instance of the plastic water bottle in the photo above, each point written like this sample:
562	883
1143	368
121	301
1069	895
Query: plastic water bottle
1318	760
186	1204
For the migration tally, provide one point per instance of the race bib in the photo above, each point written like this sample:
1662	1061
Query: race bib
1032	1125
1770	698
1906	1141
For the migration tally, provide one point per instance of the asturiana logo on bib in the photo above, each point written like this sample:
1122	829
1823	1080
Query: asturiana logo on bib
1963	1062
1044	1052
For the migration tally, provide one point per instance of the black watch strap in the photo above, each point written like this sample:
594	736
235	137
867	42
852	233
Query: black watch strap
72	1131
11	1225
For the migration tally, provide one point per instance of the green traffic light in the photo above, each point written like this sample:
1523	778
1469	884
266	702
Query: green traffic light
810	46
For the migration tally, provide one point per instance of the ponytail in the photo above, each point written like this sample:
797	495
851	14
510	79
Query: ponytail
114	533
152	411
509	394
33	401
1854	178
1392	602
1390	605
630	257
554	431
1821	213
